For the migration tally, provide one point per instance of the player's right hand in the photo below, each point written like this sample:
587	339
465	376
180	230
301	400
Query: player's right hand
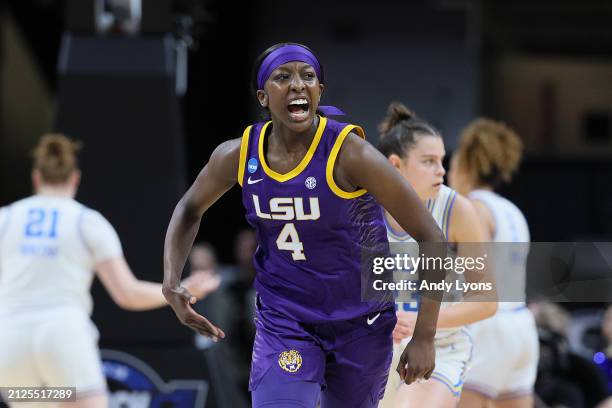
181	300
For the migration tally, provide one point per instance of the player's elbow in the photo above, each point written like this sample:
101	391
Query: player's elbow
489	309
188	208
438	236
117	278
434	235
125	304
124	300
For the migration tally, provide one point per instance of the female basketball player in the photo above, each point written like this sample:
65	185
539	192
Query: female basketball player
49	244
416	150
506	346
311	188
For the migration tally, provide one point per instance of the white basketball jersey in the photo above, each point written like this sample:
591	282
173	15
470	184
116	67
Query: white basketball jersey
441	209
49	246
511	227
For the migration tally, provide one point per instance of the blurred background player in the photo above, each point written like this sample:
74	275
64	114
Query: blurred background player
240	295
416	150
232	306
203	260
315	211
565	378
49	246
240	277
505	361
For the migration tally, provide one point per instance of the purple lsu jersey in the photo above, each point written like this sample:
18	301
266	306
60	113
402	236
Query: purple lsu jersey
311	233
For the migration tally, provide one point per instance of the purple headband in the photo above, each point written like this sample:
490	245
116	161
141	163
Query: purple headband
288	53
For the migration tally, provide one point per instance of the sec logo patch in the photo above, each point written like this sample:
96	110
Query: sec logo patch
310	183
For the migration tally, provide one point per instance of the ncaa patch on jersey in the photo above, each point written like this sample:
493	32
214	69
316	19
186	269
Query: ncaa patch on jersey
290	361
252	165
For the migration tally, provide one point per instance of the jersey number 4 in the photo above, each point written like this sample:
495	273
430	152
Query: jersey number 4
288	240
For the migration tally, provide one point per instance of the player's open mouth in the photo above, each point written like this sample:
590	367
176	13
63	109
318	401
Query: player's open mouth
298	109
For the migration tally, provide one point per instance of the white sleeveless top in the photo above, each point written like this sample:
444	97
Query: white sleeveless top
441	210
48	248
511	227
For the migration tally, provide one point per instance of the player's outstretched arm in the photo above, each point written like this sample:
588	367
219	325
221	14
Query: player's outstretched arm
361	165
467	230
131	293
217	177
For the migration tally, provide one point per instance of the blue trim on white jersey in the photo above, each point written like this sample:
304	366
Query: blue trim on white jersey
433	206
455	389
514	309
450	211
467	334
402	236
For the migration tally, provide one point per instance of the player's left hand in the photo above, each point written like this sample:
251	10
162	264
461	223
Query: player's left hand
404	326
180	300
418	360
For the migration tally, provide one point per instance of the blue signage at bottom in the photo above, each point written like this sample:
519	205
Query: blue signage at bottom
134	384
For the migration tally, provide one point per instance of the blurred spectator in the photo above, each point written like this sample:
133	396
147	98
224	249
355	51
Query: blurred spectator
551	317
223	310
606	331
245	245
553	384
119	16
565	379
603	358
241	329
203	262
203	257
231	307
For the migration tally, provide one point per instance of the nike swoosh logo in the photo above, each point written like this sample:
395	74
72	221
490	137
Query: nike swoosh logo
253	181
372	320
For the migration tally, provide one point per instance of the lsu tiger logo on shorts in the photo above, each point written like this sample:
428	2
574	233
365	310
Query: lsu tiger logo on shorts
290	361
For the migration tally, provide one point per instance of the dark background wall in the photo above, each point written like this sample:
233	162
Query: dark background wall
408	51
